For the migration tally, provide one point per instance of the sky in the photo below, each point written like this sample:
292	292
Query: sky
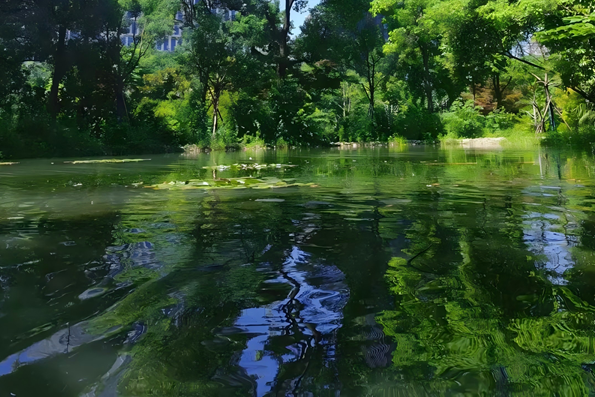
299	18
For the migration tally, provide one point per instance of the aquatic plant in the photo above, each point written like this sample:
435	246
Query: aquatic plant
229	183
106	161
254	166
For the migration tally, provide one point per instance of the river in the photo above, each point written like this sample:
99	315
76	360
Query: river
420	271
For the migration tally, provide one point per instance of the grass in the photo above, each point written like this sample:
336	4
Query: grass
253	142
517	137
397	140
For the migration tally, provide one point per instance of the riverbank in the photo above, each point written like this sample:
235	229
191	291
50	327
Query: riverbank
477	143
520	140
474	143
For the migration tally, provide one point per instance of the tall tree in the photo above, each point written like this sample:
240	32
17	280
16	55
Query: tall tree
569	35
415	39
220	53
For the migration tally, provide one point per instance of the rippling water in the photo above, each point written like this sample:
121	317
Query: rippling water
370	272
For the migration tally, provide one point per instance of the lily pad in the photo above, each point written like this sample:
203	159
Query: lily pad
255	166
106	161
228	183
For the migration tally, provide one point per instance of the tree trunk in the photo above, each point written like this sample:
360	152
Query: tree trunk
430	98
283	41
372	99
474	94
498	91
550	103
121	110
60	68
373	88
427	79
344	101
215	114
282	63
535	121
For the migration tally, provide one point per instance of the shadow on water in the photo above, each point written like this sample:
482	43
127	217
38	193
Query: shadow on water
420	273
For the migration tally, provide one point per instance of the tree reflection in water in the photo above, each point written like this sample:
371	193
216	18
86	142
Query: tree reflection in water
391	275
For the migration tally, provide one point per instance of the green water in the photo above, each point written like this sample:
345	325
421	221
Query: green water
423	272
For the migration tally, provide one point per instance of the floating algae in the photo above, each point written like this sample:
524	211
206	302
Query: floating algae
106	161
255	166
228	183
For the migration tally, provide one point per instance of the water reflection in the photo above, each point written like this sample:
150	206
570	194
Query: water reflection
430	272
62	342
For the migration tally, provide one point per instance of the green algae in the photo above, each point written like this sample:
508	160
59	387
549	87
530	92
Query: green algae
106	161
229	183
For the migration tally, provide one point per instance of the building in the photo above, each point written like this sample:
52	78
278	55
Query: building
170	42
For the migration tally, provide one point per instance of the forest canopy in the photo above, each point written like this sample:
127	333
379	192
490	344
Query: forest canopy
136	76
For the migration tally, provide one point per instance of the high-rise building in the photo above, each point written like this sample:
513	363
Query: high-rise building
169	43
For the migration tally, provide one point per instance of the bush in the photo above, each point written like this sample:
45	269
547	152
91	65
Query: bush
499	121
41	136
397	140
416	123
253	142
464	120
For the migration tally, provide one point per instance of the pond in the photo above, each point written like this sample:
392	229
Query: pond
423	271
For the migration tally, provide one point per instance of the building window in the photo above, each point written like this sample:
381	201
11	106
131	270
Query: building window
129	41
133	28
123	40
176	30
173	44
166	45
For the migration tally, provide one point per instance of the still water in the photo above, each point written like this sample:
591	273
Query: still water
364	272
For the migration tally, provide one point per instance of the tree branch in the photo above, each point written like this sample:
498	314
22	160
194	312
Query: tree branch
508	54
366	91
507	84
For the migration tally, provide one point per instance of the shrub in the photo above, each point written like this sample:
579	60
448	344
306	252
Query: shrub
415	122
464	120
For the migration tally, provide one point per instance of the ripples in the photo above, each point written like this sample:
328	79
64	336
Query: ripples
295	293
549	233
286	330
62	342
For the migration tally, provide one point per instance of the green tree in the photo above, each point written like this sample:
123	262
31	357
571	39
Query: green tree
416	40
570	37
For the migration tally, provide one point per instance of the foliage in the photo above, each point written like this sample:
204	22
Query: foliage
358	70
464	120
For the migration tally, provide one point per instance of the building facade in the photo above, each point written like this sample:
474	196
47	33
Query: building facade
168	43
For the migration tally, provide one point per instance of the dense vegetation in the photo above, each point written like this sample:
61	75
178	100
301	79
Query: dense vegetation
357	71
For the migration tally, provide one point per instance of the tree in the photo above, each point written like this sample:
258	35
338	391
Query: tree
221	54
416	40
367	58
570	37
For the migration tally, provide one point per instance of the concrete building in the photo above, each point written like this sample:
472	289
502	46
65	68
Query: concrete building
170	42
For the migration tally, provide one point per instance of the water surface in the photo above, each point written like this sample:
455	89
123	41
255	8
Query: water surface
364	272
